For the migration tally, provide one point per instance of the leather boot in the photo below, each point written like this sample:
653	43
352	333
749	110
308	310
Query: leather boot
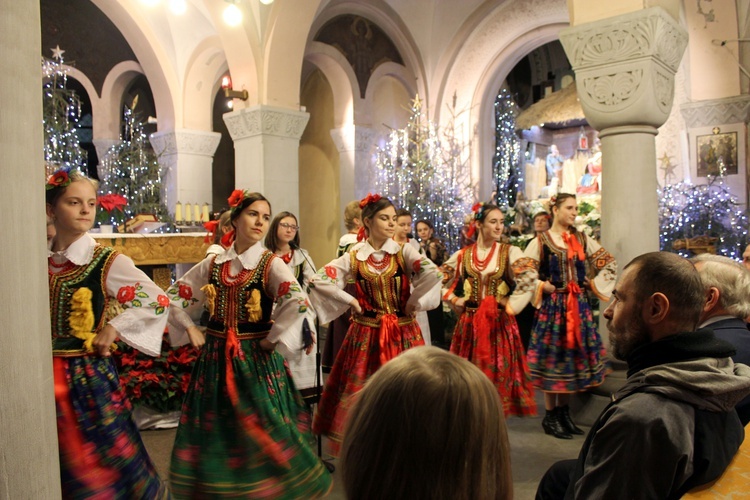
563	414
551	425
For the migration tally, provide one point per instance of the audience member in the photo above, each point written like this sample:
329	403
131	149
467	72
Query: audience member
219	228
727	286
746	257
427	425
672	426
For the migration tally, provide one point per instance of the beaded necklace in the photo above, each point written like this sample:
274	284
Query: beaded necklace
287	258
379	265
481	265
60	268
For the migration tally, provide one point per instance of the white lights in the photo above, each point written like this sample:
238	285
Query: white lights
232	14
178	7
266	2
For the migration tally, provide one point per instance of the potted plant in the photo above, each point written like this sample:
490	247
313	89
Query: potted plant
111	211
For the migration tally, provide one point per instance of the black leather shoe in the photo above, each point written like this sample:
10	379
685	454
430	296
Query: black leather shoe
551	425
563	414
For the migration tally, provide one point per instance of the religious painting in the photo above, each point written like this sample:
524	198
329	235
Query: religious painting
716	153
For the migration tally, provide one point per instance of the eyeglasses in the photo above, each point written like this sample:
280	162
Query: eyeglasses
289	226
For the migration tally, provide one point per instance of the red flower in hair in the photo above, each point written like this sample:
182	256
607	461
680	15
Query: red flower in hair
58	179
211	226
235	199
476	207
370	198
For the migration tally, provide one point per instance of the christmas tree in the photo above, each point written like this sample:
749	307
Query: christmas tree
130	168
704	215
420	169
61	111
505	169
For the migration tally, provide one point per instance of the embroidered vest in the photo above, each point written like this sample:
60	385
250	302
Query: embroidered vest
64	284
498	284
554	265
241	301
385	293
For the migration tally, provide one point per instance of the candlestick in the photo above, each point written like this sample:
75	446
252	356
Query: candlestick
197	213
204	215
178	212
188	213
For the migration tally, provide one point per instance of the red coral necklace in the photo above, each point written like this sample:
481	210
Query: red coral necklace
379	265
481	265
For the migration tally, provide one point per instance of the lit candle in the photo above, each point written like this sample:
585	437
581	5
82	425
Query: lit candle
178	212
188	213
204	215
197	213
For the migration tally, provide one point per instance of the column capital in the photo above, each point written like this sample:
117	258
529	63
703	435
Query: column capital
266	120
185	141
353	138
625	66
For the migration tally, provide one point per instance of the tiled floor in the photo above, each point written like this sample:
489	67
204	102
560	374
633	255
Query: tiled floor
532	453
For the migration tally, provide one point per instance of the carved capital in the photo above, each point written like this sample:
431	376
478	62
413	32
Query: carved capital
716	111
353	138
625	66
182	141
266	120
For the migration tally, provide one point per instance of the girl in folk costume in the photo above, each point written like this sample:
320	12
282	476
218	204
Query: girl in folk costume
97	295
283	240
480	292
383	323
565	351
338	327
244	430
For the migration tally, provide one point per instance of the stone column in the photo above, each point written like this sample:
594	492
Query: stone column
266	151
29	466
354	144
186	159
625	67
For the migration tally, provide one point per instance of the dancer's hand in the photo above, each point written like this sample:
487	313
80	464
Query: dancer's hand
104	340
309	348
196	336
355	306
548	287
267	345
410	310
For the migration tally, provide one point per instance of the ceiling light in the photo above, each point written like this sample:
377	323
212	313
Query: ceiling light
232	14
178	7
266	2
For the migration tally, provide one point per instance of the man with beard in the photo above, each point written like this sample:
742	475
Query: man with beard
673	425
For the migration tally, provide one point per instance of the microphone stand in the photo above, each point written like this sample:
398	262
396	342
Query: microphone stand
318	366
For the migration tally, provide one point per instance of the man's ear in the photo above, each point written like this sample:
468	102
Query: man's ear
712	299
655	308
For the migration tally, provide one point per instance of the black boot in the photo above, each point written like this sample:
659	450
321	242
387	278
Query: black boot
563	414
551	425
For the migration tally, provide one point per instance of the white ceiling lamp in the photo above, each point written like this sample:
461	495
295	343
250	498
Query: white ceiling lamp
178	7
232	14
266	2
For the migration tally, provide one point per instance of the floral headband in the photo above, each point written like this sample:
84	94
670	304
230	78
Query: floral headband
59	179
370	198
478	210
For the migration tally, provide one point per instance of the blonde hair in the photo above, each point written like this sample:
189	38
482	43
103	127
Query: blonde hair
351	212
428	424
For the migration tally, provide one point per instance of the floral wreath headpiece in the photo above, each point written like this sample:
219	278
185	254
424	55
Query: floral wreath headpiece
552	201
59	179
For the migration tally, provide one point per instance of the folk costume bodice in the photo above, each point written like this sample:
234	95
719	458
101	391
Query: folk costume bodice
478	279
386	292
556	263
78	299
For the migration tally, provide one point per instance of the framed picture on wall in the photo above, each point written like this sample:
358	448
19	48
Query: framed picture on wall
720	150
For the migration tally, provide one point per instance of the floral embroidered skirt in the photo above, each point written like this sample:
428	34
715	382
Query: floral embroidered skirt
506	362
101	452
357	360
214	454
556	367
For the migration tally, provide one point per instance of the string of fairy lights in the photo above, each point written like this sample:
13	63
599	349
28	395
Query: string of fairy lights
505	164
419	168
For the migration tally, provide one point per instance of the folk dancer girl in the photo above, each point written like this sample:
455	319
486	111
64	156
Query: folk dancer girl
480	292
244	430
383	323
565	353
97	295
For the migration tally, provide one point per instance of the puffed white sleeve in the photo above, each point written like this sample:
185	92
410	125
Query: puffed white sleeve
604	266
308	268
526	271
144	306
291	311
520	265
426	279
187	300
327	289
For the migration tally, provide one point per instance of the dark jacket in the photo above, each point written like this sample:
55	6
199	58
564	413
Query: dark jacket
671	427
735	331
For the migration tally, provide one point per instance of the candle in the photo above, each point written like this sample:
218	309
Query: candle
197	213
204	215
178	212
188	213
